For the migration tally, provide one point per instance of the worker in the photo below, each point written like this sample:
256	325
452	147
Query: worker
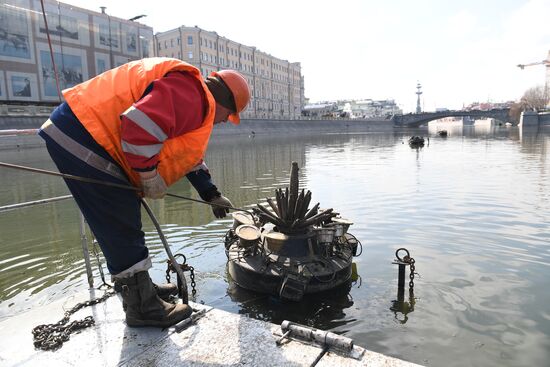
146	123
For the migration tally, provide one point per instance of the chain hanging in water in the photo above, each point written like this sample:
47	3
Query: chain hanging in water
411	275
185	267
410	260
52	336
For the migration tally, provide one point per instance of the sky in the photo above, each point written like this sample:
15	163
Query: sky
459	51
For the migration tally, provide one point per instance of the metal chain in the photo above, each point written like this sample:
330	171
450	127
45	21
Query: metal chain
168	272
185	267
411	275
52	336
193	283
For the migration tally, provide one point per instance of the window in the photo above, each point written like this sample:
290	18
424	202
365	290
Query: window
159	45
172	42
178	41
190	41
190	54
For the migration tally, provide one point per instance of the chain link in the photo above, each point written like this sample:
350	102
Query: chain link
52	336
410	261
411	275
168	273
185	267
193	283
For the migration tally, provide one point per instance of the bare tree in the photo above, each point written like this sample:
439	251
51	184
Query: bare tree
515	112
536	98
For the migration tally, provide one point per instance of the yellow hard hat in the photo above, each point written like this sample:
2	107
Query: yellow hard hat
239	88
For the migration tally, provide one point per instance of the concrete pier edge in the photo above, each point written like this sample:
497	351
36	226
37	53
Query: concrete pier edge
219	338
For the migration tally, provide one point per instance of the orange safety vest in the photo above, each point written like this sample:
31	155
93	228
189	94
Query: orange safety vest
99	102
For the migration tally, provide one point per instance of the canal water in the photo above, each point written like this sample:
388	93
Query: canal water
473	209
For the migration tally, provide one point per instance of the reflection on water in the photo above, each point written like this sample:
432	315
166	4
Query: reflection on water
324	310
401	307
473	207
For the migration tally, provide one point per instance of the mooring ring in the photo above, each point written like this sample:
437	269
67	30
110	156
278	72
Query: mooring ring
408	256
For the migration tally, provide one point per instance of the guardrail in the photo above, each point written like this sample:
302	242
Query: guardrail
25	110
13	132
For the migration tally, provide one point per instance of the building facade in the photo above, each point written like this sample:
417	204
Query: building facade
84	43
354	109
277	85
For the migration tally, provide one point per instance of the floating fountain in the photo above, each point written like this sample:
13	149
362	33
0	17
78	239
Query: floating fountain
288	249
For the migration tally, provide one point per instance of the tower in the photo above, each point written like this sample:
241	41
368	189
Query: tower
418	93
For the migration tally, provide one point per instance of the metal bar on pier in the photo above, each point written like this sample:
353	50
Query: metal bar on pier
85	250
33	203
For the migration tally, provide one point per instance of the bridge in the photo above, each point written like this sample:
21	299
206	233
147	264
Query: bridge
417	119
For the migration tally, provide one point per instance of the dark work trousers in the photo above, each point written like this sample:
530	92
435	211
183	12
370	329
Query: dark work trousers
113	214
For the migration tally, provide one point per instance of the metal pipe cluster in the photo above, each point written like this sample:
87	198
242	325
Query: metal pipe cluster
290	208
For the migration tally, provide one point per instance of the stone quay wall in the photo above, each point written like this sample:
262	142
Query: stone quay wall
245	128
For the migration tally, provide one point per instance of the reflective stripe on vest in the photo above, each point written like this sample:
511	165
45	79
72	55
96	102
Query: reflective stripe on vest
81	152
142	150
142	120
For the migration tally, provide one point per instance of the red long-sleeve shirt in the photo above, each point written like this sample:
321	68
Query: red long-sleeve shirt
173	106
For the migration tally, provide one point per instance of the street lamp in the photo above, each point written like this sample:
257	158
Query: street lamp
137	17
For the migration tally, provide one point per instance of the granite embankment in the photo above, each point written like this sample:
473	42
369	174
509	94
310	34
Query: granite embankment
247	127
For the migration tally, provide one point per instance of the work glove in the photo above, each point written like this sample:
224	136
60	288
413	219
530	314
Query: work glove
154	187
220	212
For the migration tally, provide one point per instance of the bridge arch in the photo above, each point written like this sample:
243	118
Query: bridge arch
417	119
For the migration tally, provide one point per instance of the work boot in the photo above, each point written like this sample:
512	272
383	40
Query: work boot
143	305
166	290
